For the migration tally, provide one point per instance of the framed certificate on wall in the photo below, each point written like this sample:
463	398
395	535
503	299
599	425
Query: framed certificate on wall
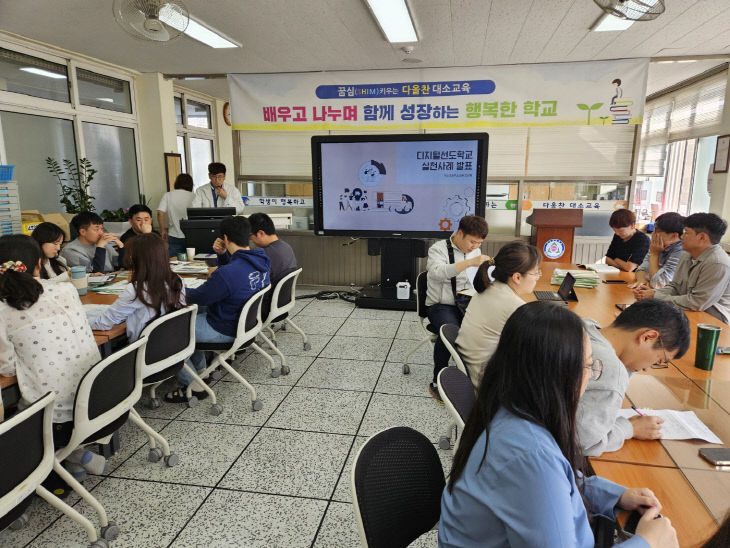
722	153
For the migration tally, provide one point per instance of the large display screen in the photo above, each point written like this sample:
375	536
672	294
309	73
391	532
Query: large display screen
410	186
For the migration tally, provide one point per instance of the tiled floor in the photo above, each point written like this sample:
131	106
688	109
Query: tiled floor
276	477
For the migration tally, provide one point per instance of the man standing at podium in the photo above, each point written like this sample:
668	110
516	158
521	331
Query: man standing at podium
449	286
217	193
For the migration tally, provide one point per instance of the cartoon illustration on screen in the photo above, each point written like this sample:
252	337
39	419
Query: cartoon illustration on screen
371	172
455	207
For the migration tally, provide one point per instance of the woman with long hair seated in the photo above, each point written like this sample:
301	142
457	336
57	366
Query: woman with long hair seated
516	271
50	237
516	478
45	340
153	289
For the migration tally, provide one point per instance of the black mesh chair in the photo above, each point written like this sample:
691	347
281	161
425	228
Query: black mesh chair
457	391
422	310
105	396
397	481
448	334
170	341
282	301
249	326
26	459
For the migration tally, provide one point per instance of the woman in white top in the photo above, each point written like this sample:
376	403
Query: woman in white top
153	290
44	337
175	205
515	274
50	237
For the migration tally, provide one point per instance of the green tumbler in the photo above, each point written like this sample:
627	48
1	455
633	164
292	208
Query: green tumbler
707	337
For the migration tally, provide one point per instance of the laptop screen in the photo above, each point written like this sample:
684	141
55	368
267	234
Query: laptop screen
567	286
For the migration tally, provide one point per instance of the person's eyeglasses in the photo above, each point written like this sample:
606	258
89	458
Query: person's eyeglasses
596	369
536	274
666	362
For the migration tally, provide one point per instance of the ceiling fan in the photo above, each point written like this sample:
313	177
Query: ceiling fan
153	20
632	10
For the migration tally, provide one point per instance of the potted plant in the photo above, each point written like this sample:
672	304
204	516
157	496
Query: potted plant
74	182
115	220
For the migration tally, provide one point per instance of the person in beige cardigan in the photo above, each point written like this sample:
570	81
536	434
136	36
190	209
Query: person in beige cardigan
516	271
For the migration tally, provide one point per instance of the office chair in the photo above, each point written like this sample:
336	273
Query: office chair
457	391
448	334
26	460
170	341
285	301
422	310
249	326
104	399
397	482
282	301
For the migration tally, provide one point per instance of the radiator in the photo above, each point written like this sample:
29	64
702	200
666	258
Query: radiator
590	249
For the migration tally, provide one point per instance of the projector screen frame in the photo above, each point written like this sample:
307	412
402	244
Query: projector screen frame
482	139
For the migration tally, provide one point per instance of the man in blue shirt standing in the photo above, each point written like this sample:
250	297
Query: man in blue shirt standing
221	298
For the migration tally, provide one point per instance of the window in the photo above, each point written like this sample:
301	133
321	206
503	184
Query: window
201	154
97	90
198	114
60	126
196	137
20	73
111	149
29	140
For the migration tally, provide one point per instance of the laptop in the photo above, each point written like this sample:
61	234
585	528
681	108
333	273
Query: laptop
565	293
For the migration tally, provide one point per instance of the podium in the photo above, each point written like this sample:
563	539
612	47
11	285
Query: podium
552	232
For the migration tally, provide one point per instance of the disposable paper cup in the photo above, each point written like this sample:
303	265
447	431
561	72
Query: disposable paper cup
707	337
190	252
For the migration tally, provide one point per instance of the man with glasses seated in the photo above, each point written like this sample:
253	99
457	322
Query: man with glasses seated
702	279
647	334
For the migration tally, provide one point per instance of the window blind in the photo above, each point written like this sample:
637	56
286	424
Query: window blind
687	113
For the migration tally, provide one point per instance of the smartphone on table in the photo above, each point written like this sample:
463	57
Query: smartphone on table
723	349
613	281
717	456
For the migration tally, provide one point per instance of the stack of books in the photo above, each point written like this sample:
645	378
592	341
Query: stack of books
583	278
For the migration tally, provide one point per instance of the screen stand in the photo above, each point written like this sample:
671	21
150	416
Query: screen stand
398	263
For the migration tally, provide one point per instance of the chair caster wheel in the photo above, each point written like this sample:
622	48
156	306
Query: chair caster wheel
285	370
110	532
216	409
101	543
154	455
275	372
257	405
19	523
154	403
444	443
216	375
171	460
307	346
193	402
406	369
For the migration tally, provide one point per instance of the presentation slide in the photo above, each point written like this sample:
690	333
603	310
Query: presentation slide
398	186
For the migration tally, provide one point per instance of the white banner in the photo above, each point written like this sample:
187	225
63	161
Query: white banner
545	94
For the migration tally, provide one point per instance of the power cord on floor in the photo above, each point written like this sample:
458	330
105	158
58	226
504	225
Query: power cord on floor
348	296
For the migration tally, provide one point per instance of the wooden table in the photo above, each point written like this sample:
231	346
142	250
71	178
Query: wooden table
695	494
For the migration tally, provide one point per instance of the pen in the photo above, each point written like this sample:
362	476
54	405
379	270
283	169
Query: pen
637	411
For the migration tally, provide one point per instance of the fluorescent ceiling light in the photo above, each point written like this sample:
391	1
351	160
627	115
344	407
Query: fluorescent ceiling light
394	20
43	72
105	99
608	23
196	30
194	78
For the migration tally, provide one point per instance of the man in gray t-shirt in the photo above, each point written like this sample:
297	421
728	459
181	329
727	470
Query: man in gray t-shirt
263	234
646	333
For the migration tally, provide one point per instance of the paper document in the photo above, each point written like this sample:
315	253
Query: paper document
203	256
102	279
190	269
601	267
111	289
677	425
193	282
